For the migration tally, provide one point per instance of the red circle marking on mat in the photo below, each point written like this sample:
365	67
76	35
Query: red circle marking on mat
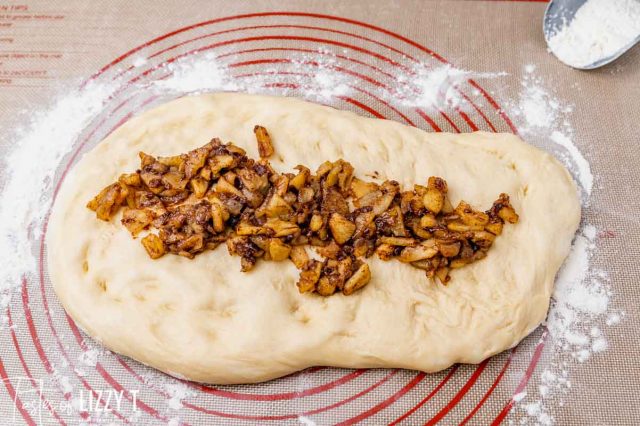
428	397
256	27
298	38
293	49
384	404
461	393
261	15
172	47
289	38
280	396
466	97
280	417
490	390
395	63
397	36
312	63
296	415
472	125
321	16
492	102
463	115
356	88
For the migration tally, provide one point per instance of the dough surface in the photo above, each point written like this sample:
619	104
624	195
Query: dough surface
207	321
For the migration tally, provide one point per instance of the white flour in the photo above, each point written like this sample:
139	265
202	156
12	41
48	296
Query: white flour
204	75
306	421
581	295
37	151
177	391
89	357
599	29
5	299
433	88
314	78
582	165
542	117
537	109
580	306
580	310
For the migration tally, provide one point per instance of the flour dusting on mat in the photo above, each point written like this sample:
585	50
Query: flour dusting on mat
5	299
433	88
579	308
37	150
313	77
543	118
177	391
188	76
581	303
536	107
89	357
582	165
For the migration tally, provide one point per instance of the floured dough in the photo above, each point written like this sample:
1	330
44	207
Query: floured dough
205	320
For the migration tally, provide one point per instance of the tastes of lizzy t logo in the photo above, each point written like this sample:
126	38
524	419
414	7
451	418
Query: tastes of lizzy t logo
29	398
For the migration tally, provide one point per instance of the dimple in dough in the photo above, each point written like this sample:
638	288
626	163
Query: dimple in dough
205	320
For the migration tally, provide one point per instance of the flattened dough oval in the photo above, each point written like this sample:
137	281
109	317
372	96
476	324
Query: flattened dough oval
205	320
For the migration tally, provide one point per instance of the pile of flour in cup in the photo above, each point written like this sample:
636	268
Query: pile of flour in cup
598	30
581	308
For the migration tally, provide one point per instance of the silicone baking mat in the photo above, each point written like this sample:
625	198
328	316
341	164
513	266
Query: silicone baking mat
52	373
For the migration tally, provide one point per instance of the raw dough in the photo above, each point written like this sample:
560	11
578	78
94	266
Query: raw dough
205	320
